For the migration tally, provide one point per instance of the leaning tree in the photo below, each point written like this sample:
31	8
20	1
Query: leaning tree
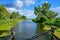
44	15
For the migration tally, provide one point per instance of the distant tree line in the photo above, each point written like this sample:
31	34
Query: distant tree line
17	15
4	14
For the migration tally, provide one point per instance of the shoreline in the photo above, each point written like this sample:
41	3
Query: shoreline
4	33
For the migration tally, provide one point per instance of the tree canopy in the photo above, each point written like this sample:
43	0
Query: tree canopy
15	15
45	15
4	14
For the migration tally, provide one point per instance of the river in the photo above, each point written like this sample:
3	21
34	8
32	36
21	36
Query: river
27	29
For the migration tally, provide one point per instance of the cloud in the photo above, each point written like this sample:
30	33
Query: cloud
15	3
11	9
25	2
29	2
19	3
57	10
29	14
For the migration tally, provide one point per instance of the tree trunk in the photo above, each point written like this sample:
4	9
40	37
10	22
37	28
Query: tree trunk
40	27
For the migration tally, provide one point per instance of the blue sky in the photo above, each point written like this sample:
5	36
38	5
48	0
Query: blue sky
26	7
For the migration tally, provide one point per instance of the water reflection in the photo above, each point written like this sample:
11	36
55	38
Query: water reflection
25	30
39	30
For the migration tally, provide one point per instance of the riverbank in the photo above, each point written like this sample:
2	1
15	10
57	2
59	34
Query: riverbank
6	25
56	32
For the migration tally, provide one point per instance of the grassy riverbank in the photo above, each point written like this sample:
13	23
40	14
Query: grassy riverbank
5	26
56	32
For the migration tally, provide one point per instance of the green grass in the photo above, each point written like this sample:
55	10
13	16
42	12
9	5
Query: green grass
56	32
5	34
9	23
6	25
46	28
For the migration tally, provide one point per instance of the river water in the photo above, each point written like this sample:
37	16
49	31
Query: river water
27	29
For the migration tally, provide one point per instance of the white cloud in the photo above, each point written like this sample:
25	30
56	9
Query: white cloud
30	14
29	2
19	3
11	9
27	13
57	10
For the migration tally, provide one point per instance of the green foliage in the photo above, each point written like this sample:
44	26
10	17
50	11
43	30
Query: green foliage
43	13
40	20
7	20
4	14
14	15
24	17
45	16
46	6
51	15
35	20
49	23
57	22
37	10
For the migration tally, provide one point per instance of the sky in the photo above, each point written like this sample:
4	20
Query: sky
26	7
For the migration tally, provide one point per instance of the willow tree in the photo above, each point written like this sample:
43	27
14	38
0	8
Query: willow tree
44	14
